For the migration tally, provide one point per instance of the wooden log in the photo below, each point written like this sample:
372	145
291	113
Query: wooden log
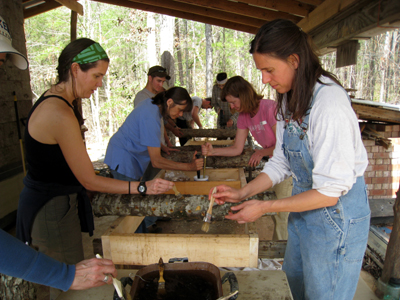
211	133
191	207
12	288
391	267
186	155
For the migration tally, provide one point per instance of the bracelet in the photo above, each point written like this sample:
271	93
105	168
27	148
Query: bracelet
129	184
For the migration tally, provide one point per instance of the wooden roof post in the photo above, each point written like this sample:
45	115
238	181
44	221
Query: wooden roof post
391	268
74	21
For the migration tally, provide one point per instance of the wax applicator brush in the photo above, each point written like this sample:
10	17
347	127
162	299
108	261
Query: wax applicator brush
177	193
207	218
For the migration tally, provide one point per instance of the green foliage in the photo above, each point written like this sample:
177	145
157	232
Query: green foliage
123	33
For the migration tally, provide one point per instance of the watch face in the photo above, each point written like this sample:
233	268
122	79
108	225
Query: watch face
142	188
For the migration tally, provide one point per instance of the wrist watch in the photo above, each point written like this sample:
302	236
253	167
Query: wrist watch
142	188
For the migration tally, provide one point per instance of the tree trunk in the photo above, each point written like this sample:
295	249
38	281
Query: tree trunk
167	46
384	66
179	52
186	155
12	288
211	133
151	40
372	67
191	207
209	60
391	267
188	77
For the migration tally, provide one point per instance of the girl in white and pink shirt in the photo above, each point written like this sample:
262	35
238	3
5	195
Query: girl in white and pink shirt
256	115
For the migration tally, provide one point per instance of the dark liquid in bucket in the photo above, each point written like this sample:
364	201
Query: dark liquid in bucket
179	287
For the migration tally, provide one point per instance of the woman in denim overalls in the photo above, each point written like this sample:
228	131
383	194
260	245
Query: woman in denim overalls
319	144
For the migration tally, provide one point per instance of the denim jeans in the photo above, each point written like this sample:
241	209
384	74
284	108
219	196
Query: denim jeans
325	246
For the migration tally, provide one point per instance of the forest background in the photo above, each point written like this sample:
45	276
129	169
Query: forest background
136	40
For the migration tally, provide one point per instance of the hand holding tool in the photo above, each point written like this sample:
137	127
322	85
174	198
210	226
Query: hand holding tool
161	282
198	171
117	284
207	218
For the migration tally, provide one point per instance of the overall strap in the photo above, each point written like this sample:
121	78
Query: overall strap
304	124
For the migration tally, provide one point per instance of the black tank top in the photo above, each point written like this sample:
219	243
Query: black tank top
46	162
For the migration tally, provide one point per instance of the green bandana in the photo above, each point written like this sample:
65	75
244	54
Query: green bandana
91	54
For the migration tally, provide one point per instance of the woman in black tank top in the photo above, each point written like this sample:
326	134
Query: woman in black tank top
60	170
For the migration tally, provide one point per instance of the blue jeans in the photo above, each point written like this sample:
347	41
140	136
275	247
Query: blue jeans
325	246
148	221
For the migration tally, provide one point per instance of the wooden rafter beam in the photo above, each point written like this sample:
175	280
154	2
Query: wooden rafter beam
361	18
223	6
39	9
72	5
368	112
312	2
292	7
182	15
203	12
327	10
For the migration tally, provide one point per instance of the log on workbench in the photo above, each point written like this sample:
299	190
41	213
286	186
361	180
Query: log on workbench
211	133
186	155
191	207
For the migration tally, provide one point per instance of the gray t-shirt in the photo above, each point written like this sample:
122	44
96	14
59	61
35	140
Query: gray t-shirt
197	101
142	95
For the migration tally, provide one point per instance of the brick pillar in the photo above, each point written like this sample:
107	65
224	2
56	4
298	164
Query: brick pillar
383	172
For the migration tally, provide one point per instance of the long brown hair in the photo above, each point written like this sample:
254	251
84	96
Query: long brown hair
238	87
280	39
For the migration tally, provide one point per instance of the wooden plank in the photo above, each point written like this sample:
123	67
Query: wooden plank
205	11
253	250
39	9
74	21
325	11
346	54
376	243
242	177
216	142
230	177
272	249
182	15
209	133
288	6
185	155
392	257
144	249
312	2
367	112
72	5
352	23
381	208
126	225
243	9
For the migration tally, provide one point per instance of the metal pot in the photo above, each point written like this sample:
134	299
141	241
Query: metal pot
206	271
